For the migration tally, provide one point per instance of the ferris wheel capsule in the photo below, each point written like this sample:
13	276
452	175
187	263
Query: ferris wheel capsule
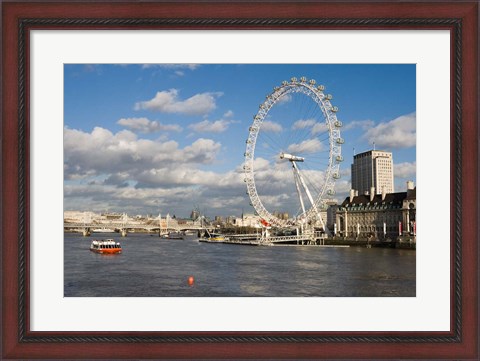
334	109
294	80
312	82
321	87
329	97
338	124
284	82
303	79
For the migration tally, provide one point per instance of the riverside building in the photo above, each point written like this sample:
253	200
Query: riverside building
373	168
381	216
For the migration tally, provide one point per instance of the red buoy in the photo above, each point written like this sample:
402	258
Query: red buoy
191	280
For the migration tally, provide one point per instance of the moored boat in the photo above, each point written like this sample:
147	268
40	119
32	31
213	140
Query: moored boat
174	235
103	230
213	237
108	246
217	237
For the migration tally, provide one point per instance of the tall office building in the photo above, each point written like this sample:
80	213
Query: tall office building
373	168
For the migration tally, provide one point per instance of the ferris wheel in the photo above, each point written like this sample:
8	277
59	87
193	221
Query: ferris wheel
293	155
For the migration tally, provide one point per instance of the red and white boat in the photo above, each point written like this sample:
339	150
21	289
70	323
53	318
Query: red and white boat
108	246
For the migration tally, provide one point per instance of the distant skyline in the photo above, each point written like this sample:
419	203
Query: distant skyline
166	138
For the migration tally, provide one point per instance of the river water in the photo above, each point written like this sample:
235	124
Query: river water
154	267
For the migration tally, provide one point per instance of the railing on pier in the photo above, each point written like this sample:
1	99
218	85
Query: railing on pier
256	238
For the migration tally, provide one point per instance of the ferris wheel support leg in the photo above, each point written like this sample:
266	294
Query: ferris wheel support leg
310	198
297	185
307	191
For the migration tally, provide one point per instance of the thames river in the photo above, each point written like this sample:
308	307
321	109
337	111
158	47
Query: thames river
154	267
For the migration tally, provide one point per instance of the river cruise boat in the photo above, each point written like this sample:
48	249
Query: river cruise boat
108	246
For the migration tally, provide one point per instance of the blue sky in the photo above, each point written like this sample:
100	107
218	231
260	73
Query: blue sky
149	138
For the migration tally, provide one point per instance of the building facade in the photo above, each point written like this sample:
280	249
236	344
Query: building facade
379	216
373	169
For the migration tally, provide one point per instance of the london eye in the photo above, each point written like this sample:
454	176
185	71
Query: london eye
293	155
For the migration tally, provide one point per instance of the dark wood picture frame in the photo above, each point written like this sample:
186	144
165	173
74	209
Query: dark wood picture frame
18	18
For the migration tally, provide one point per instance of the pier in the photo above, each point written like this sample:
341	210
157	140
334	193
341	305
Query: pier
310	240
257	239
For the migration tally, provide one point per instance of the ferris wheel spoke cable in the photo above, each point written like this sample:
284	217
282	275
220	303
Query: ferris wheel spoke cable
311	183
270	137
303	132
272	178
299	104
317	159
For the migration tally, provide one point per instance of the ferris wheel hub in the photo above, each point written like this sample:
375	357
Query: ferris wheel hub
291	158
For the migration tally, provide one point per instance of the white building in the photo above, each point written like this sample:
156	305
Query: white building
373	169
247	220
79	217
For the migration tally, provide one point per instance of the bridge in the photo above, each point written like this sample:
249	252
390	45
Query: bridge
124	228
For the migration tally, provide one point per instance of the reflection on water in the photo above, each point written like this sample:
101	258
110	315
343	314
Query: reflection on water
155	267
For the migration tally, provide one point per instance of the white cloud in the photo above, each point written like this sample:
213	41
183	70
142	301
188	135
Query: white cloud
315	126
144	125
128	199
188	176
261	164
102	152
307	146
397	133
124	172
201	151
174	188
342	189
228	114
405	170
346	172
302	124
319	128
207	126
285	99
362	124
269	126
167	102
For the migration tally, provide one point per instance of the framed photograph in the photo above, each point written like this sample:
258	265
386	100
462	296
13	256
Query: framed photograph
165	119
